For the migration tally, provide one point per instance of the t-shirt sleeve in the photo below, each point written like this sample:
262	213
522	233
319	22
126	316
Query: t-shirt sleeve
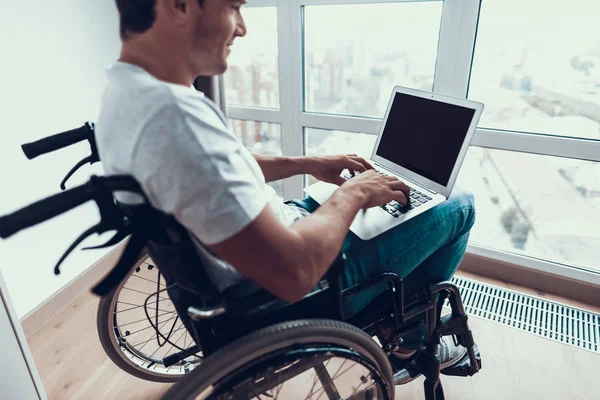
194	169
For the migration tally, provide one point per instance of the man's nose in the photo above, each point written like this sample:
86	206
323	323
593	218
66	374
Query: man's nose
241	27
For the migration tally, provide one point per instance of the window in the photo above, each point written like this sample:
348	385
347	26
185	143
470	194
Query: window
253	75
320	142
544	207
323	142
534	64
351	67
260	138
537	67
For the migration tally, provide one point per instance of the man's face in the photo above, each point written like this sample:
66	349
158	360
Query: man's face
217	24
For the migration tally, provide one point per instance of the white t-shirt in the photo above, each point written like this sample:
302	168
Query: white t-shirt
176	144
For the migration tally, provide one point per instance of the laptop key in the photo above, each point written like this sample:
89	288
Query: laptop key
422	200
400	208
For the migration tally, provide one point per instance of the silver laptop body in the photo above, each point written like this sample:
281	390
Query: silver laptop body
423	141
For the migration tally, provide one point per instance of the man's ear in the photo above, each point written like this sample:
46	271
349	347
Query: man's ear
178	11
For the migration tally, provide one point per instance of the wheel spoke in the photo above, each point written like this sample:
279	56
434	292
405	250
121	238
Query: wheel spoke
173	344
335	376
148	327
158	348
147	293
152	338
140	320
146	279
137	306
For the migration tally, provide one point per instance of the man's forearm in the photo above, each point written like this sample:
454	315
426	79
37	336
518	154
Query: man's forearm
275	168
323	233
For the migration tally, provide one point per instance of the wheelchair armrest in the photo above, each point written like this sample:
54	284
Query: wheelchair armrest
336	269
333	279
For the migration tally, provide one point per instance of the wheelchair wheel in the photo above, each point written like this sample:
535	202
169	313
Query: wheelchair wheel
127	335
308	359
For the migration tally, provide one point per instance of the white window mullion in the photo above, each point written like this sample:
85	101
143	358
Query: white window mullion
456	46
333	2
289	26
557	146
261	3
272	116
341	123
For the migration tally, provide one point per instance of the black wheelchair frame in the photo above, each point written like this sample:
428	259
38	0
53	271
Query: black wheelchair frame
215	319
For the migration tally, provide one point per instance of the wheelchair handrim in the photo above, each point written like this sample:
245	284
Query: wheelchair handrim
221	366
294	355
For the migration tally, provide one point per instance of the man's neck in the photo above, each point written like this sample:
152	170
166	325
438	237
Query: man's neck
161	63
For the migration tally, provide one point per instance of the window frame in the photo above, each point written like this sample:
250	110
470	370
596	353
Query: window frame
456	48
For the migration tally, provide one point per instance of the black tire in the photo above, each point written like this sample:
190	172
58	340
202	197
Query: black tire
108	336
217	370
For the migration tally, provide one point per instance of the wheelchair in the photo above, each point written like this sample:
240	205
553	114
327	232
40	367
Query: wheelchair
255	345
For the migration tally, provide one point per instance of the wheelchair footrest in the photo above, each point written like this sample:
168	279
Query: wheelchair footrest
464	367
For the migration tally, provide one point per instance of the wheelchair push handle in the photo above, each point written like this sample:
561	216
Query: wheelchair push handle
62	140
44	210
99	189
58	141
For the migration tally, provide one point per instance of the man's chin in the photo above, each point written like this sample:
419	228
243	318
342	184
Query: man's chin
223	67
216	70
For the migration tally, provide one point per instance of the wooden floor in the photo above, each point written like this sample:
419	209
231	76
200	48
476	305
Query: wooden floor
516	365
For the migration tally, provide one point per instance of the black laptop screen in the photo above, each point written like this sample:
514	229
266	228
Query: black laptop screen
425	136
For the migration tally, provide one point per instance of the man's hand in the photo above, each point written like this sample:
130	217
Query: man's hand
328	169
378	189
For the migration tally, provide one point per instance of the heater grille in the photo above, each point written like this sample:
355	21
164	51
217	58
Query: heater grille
541	317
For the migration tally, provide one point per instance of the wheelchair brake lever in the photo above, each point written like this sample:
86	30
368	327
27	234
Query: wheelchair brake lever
73	170
92	158
118	237
72	247
99	229
110	220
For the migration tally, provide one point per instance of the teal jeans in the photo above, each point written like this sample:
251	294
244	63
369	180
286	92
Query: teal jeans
424	250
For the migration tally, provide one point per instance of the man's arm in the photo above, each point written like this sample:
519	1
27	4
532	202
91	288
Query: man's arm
328	169
289	261
275	168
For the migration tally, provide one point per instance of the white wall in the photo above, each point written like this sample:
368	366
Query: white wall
53	56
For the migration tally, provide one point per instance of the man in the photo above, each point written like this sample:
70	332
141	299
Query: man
175	142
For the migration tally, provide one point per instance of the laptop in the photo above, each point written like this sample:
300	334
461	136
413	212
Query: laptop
423	141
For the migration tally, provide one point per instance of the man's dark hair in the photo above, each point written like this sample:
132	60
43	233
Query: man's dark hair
137	16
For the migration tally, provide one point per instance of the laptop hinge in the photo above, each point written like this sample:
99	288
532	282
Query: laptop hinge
403	177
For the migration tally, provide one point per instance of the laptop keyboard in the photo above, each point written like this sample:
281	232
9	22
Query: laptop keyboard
395	209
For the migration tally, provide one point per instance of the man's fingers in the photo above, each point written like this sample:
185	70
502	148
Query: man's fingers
400	198
398	185
364	162
338	180
356	166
